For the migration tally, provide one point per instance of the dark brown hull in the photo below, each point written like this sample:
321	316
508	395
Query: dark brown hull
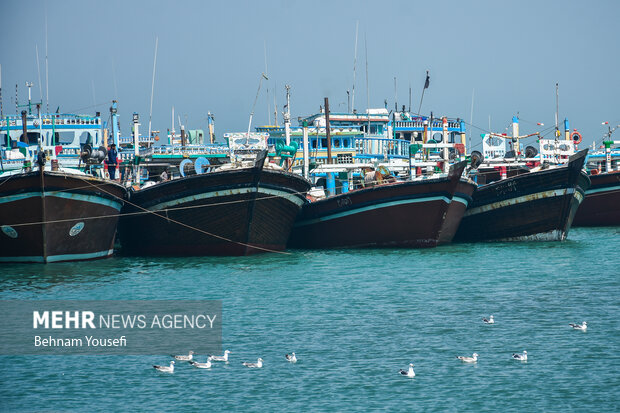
236	212
461	199
57	217
533	206
601	206
403	214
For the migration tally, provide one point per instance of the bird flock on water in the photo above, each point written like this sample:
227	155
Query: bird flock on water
292	358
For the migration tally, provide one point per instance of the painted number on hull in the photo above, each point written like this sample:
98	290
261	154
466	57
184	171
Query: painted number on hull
506	188
9	231
344	202
76	229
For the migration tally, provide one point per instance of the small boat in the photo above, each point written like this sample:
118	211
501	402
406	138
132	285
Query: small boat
395	214
241	208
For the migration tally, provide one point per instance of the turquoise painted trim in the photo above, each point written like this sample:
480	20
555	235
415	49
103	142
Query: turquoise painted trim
372	207
57	258
291	197
461	200
599	190
77	197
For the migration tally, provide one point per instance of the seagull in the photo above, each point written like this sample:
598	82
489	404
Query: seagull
520	357
409	373
582	327
206	365
165	369
489	320
256	365
184	358
465	359
291	357
221	358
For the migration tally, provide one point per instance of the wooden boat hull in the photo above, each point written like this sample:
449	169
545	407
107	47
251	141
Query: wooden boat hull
235	212
601	206
57	217
533	206
461	199
402	214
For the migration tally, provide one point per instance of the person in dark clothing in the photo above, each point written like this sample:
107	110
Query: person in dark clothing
112	161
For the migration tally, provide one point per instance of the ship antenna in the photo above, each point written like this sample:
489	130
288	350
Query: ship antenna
153	85
354	65
367	87
260	82
267	86
47	87
36	48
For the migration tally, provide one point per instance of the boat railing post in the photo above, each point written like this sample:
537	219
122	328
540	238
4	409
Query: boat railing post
306	150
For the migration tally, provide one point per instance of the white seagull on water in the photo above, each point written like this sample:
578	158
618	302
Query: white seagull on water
221	358
256	365
582	327
409	373
520	357
488	320
184	358
165	369
291	357
206	365
465	359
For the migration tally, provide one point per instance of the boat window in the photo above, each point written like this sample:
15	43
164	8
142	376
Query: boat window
379	128
3	139
337	143
86	137
33	138
64	138
438	137
324	143
313	143
346	143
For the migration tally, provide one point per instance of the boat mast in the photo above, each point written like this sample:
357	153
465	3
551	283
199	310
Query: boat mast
260	82
1	109
287	116
153	85
47	89
354	65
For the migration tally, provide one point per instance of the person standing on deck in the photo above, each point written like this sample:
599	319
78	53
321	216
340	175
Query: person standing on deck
112	161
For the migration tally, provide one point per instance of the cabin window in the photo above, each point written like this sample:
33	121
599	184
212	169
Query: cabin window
3	141
437	136
379	128
346	143
86	138
407	136
63	138
324	143
337	143
313	143
32	138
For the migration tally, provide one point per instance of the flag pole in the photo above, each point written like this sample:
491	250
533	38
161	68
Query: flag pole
426	83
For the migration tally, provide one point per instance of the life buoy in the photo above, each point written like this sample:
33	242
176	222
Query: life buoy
576	137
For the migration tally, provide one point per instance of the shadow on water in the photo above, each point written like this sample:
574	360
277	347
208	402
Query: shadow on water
45	276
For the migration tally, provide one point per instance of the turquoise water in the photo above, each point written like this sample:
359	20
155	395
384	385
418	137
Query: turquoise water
354	318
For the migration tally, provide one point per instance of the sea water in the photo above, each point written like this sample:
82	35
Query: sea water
354	318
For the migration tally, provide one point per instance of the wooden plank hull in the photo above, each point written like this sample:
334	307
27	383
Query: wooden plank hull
461	199
236	212
403	214
601	206
57	217
533	206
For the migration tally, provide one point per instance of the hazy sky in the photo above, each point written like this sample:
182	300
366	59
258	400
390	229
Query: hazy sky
508	54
